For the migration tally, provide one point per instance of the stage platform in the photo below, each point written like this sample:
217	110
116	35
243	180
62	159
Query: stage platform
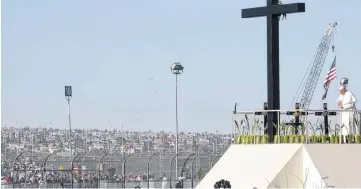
292	166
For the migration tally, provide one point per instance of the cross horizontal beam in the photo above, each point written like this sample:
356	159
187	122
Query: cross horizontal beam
274	9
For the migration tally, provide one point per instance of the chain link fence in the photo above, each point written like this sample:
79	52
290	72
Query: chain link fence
87	170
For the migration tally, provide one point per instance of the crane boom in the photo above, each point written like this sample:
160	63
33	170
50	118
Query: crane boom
316	66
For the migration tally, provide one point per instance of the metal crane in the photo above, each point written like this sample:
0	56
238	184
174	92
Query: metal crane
315	68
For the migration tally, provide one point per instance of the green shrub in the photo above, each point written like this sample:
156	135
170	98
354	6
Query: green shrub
298	139
265	139
285	139
357	139
276	139
323	139
333	139
258	139
239	139
292	138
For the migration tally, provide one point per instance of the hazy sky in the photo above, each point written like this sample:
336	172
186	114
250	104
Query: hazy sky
107	50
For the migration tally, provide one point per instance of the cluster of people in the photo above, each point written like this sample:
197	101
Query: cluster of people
11	176
133	177
222	184
27	172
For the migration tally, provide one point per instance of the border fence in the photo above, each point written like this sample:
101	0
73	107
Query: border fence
86	170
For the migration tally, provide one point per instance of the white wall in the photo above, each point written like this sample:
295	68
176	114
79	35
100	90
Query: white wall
248	166
312	177
291	176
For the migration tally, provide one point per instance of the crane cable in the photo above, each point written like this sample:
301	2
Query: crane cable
333	43
333	46
302	84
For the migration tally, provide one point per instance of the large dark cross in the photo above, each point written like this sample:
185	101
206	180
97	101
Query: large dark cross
273	11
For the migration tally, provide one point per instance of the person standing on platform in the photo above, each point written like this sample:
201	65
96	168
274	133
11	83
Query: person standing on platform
347	101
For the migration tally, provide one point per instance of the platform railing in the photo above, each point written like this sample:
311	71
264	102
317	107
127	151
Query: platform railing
356	121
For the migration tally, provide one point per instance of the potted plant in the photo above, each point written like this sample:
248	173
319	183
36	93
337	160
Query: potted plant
254	130
297	139
332	135
333	139
244	128
337	133
277	137
245	140
323	139
257	130
292	138
358	127
283	133
351	138
357	139
291	133
337	139
264	136
285	139
237	127
239	139
258	139
264	139
245	131
341	136
251	139
314	129
247	126
239	131
301	137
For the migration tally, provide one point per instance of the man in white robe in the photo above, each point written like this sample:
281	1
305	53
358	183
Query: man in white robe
347	101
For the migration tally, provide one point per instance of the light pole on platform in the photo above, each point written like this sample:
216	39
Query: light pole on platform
68	95
176	69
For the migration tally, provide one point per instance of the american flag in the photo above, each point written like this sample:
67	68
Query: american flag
331	75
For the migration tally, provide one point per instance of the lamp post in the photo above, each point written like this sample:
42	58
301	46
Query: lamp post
214	144
176	69
68	95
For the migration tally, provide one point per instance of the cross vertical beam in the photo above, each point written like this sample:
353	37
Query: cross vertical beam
273	10
273	70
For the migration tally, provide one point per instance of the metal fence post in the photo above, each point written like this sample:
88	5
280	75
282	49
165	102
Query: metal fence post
72	165
124	171
148	167
209	160
171	163
192	169
44	167
16	159
215	159
99	162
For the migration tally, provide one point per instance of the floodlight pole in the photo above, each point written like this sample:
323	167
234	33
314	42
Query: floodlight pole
176	69
176	125
68	95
